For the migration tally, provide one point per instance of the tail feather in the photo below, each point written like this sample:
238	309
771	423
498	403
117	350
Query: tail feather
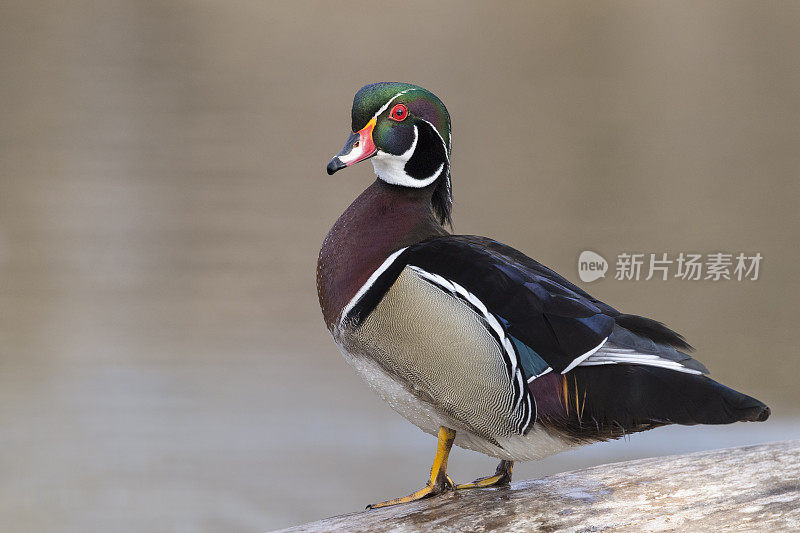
653	330
602	402
713	403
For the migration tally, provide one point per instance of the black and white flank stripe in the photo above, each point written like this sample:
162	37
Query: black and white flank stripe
522	401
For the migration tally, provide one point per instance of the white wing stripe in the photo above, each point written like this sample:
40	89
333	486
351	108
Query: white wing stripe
545	371
578	360
612	355
663	363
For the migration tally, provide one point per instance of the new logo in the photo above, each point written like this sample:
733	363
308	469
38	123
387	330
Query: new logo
591	266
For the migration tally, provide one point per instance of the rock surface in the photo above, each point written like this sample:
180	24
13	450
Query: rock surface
754	488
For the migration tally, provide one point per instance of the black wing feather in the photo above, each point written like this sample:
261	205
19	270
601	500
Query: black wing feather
553	318
537	306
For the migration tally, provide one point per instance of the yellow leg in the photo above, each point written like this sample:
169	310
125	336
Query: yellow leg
501	477
439	481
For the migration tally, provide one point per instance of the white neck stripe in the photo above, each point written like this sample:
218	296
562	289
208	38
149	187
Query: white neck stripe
446	155
417	183
383	169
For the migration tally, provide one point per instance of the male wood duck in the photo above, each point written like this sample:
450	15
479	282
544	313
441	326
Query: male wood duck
472	340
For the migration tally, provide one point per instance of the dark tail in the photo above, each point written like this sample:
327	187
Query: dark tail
714	403
599	402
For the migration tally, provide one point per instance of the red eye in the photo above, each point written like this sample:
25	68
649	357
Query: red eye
398	112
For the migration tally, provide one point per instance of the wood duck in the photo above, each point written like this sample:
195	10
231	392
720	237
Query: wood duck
472	340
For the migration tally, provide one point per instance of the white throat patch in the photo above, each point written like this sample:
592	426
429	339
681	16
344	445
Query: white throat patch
391	168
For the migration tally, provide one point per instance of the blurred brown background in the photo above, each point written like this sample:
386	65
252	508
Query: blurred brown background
163	362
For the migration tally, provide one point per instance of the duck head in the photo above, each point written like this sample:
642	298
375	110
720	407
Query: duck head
405	131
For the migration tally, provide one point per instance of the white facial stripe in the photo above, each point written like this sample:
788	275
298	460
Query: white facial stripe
392	99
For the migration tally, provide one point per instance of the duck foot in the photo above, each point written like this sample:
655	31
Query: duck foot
439	481
502	476
425	492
